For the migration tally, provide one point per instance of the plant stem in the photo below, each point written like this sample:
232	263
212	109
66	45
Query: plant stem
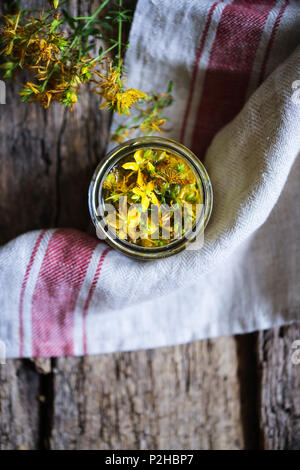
120	37
76	39
96	14
103	54
91	19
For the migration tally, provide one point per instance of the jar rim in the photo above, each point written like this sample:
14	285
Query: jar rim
121	151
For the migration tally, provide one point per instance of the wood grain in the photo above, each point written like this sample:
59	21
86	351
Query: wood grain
184	397
19	406
279	390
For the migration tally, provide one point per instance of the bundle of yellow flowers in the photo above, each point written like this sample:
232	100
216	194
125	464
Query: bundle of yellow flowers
60	61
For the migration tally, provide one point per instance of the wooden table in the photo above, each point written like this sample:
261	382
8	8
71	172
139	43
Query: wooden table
237	392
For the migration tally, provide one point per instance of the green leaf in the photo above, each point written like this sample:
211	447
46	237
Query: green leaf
89	32
69	19
170	86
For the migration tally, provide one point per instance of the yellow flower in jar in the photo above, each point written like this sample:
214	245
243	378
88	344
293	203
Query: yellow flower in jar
147	195
135	166
158	185
125	223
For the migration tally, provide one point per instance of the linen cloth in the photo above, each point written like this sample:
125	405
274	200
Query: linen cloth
235	66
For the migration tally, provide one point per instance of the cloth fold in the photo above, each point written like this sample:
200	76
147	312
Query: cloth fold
69	294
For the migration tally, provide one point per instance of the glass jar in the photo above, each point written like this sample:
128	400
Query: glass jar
98	210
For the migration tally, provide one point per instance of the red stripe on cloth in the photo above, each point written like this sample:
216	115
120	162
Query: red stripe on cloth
62	272
226	80
271	41
24	284
195	70
90	295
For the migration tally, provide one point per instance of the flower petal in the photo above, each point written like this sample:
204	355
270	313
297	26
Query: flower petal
138	192
111	220
150	167
134	217
115	196
130	166
149	187
140	179
154	199
122	234
145	202
138	156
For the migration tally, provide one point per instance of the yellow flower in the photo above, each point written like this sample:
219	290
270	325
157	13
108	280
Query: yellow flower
111	183
47	52
32	92
109	86
32	87
119	137
134	166
125	223
111	82
143	190
148	231
133	220
45	98
148	243
153	126
189	194
9	32
112	90
126	99
147	195
150	167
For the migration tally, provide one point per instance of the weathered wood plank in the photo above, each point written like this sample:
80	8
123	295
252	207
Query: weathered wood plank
184	397
47	159
279	388
19	406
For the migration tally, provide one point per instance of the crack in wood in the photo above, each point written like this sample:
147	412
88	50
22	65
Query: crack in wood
248	379
46	403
